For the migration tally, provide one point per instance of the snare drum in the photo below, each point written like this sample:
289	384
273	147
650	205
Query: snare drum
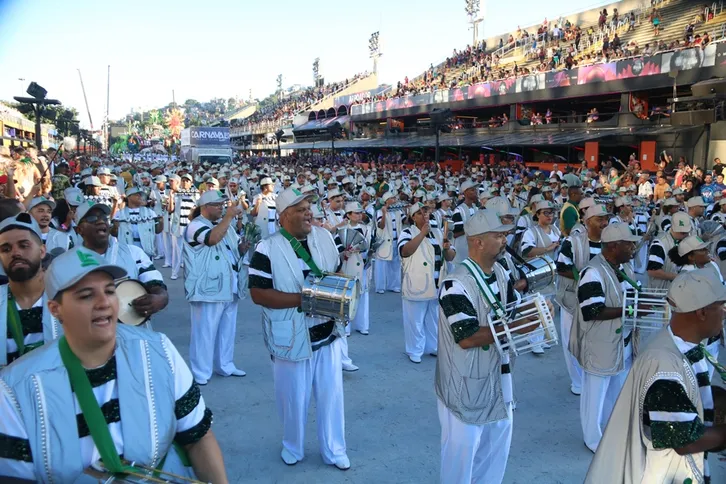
646	310
331	295
531	310
539	273
126	291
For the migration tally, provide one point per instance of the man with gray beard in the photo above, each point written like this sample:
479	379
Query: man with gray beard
24	315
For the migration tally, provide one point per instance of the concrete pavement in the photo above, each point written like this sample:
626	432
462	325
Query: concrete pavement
392	427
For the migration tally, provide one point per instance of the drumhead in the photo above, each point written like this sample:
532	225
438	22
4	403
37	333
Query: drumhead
127	291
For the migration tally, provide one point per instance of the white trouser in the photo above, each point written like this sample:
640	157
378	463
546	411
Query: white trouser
361	322
388	275
599	394
176	254
640	260
167	248
159	244
344	358
295	382
573	366
421	326
212	340
474	454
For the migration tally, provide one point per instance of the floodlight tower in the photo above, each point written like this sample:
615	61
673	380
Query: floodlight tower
472	9
374	47
316	71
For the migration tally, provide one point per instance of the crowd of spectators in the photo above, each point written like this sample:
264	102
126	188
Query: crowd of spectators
271	112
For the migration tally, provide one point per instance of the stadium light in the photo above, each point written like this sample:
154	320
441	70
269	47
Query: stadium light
441	122
374	47
37	101
473	9
316	71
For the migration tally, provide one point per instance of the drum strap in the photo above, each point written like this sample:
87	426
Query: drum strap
714	362
491	298
301	252
16	329
628	280
91	411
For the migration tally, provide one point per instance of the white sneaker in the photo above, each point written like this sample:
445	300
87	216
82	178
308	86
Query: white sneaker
342	463
575	390
537	350
363	331
238	372
166	266
174	277
546	346
287	457
200	382
414	359
349	367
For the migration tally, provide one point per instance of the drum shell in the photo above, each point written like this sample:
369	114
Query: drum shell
333	296
540	275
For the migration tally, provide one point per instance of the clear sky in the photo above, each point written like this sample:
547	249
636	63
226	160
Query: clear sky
224	48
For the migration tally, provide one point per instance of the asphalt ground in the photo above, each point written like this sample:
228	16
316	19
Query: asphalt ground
392	427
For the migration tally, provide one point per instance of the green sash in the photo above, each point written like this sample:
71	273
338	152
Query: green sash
301	252
16	328
94	417
91	411
478	275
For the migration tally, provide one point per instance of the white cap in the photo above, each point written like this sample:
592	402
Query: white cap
353	207
467	185
696	202
544	205
586	203
618	232
681	223
689	244
87	205
694	290
620	201
92	181
415	208
266	181
211	196
596	210
334	193
670	202
291	197
72	266
484	221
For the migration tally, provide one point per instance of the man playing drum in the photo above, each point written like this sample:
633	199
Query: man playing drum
423	252
93	227
212	256
662	427
389	225
462	213
23	311
577	250
598	339
103	391
661	269
305	349
473	381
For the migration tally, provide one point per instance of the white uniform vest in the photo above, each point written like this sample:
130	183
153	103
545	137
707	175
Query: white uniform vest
388	244
145	222
418	283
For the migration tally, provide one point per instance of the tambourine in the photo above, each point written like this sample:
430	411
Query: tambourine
127	291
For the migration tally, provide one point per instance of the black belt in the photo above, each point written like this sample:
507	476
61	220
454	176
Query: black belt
321	331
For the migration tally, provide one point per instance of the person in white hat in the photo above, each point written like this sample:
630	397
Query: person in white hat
662	425
541	239
264	210
387	271
442	213
213	253
107	193
423	251
158	201
462	213
136	224
661	269
473	382
696	208
356	264
23	293
663	219
181	203
41	209
97	365
576	251
306	348
692	253
598	340
334	212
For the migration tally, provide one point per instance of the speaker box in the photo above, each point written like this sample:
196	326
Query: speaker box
711	86
693	118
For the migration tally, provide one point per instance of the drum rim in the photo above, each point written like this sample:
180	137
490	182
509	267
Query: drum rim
139	283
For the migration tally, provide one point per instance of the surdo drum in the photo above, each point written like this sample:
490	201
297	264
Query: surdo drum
331	295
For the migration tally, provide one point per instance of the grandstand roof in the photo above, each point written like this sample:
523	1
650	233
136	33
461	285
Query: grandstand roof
471	140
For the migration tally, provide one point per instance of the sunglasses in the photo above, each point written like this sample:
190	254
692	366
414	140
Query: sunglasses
92	219
547	213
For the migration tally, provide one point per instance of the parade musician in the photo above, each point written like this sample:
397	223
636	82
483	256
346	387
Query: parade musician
305	349
102	391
